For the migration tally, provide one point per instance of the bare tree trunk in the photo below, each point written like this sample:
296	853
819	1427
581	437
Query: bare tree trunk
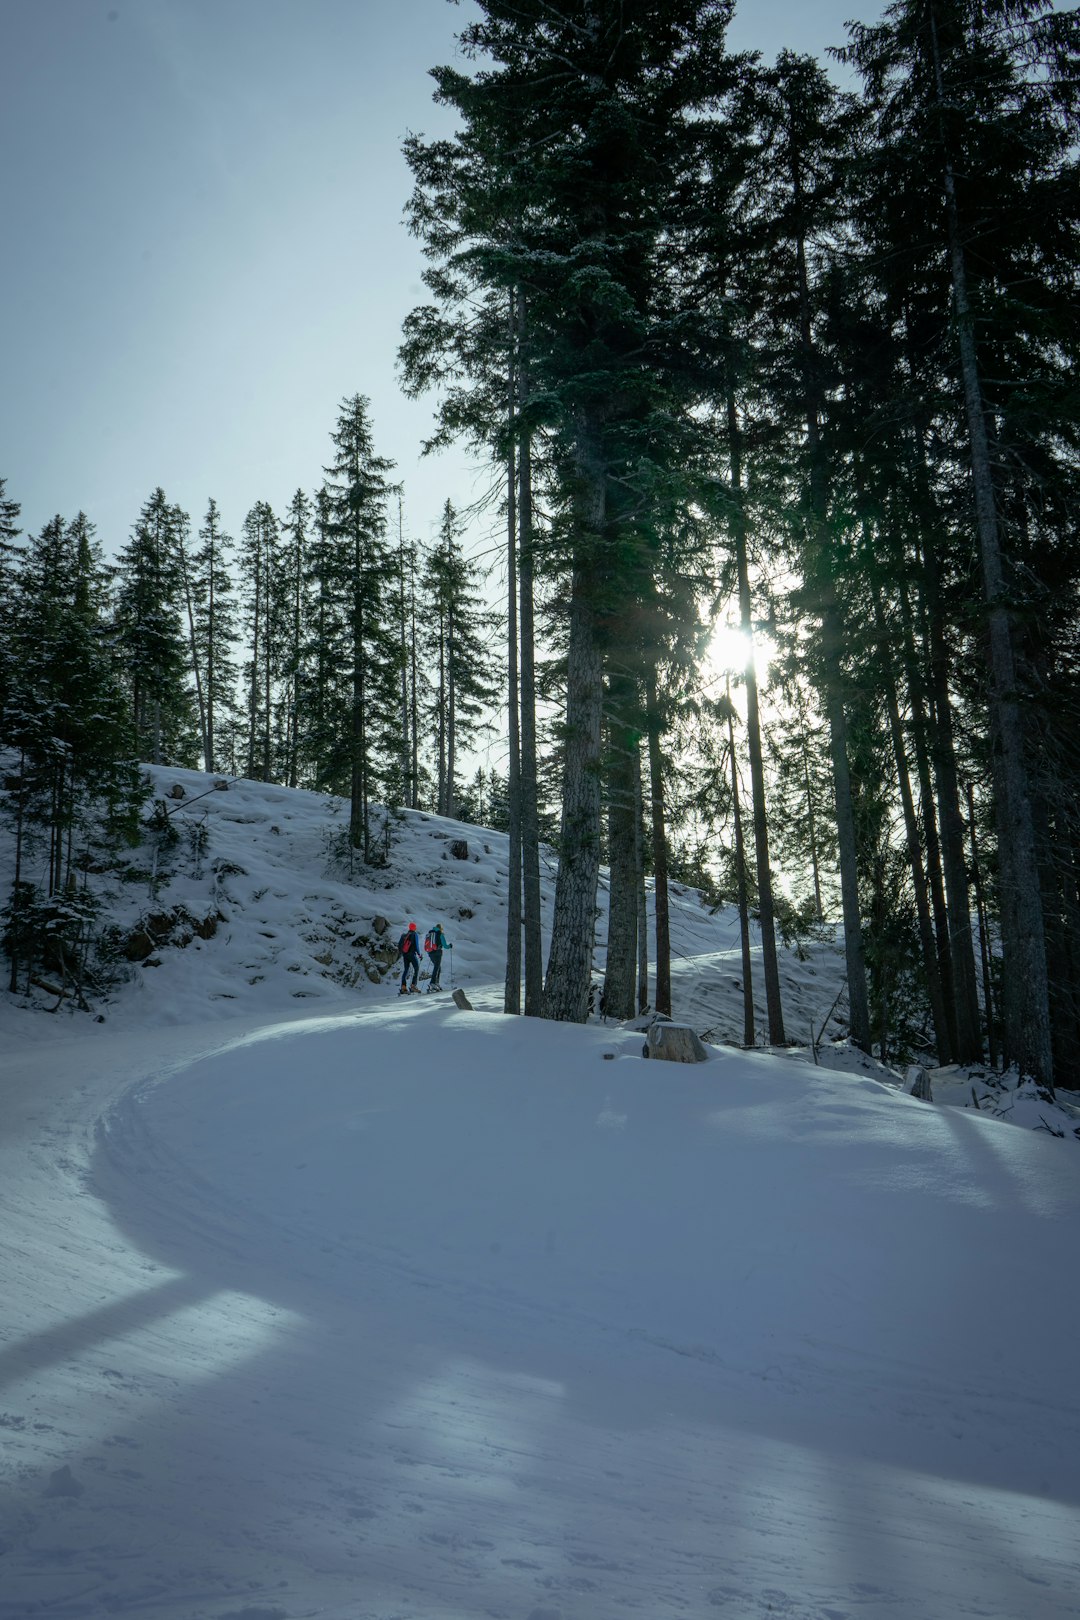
642	896
742	899
968	1047
512	984
831	646
811	823
414	693
569	971
934	876
766	910
17	920
407	792
914	843
984	935
530	809
440	791
619	977
451	716
660	860
256	645
204	734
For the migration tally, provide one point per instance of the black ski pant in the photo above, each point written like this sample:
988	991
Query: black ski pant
412	960
436	968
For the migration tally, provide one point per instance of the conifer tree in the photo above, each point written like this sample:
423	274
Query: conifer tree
259	574
362	578
292	613
976	108
149	636
9	555
215	629
322	693
456	652
74	788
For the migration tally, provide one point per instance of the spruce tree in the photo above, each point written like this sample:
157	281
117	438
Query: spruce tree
9	556
73	789
292	595
215	629
457	653
361	577
258	561
149	636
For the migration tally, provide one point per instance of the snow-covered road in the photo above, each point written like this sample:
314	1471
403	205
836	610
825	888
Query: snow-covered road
428	1315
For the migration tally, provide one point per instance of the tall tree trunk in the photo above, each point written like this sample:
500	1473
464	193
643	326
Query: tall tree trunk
766	909
200	699
832	649
984	935
403	642
659	833
268	660
440	791
1027	996
256	645
451	715
18	924
742	898
569	971
968	1047
858	999
928	943
512	985
530	807
211	659
945	855
414	692
935	878
620	973
811	825
642	894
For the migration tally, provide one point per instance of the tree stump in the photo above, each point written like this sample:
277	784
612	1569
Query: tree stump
675	1043
460	999
459	849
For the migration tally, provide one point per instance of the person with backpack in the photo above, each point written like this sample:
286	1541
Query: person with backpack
434	944
409	951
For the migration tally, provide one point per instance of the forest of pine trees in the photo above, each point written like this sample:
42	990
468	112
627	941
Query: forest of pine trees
745	338
738	343
283	657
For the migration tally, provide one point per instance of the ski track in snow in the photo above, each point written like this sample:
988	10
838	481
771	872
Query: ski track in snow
408	1314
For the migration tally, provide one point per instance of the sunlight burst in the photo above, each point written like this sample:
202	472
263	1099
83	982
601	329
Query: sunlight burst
729	651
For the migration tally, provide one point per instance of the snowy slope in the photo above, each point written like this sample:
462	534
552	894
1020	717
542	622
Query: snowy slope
314	1302
296	932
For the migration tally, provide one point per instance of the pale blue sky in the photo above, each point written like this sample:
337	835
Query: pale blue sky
203	251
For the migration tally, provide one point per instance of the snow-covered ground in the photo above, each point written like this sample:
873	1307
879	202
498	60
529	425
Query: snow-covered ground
315	1302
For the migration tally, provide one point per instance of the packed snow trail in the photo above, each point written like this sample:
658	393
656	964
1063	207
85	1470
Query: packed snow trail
437	1315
